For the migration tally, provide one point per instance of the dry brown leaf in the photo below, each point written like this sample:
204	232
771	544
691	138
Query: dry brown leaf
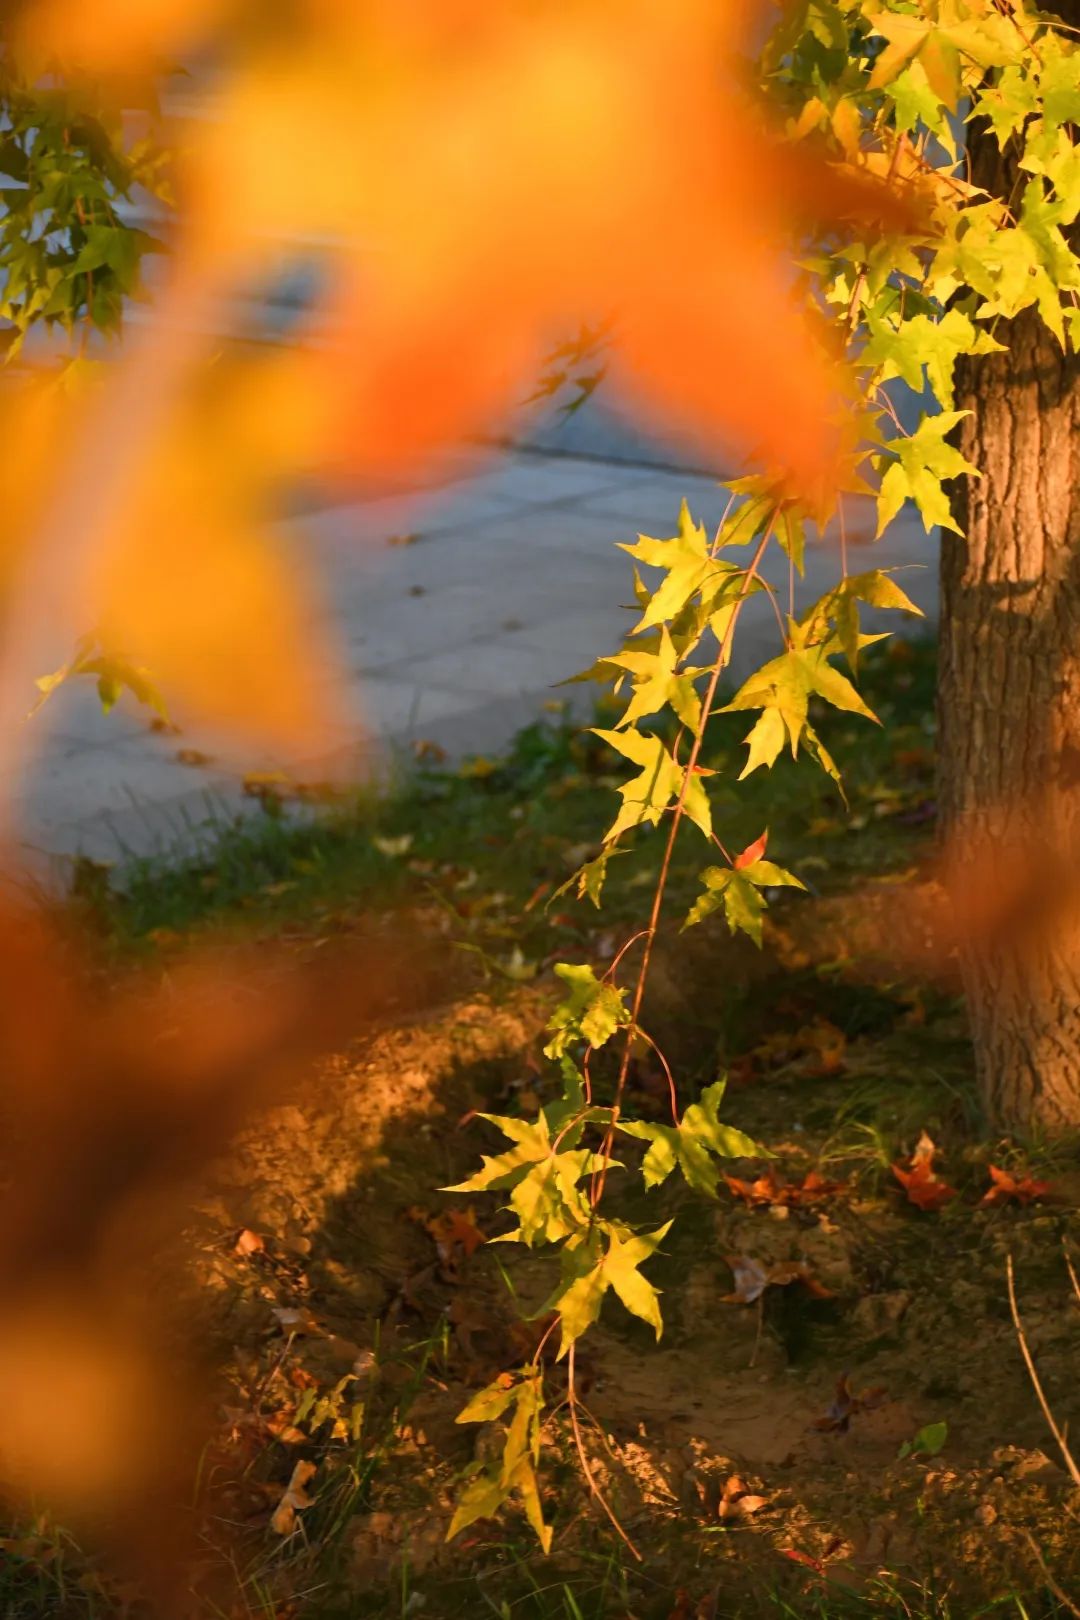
294	1499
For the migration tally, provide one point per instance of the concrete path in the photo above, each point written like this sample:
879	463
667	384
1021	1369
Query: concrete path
513	582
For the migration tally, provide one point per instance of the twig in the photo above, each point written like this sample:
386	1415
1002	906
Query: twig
586	1466
760	1330
1058	1591
667	1071
1070	1462
1072	1274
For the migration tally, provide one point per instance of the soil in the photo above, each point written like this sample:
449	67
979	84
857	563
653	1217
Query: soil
317	1257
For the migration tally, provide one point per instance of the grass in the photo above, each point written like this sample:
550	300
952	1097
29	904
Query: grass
482	851
522	823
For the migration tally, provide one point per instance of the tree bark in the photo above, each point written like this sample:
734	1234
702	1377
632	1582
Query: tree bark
1009	713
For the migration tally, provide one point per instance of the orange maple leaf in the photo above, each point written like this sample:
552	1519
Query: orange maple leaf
1006	1186
924	1189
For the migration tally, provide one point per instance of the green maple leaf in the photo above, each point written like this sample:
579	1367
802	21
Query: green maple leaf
592	1011
685	559
532	1144
917	102
903	350
657	683
646	796
785	686
738	892
923	461
588	881
839	609
1059	80
693	1145
595	1271
548	1202
905	37
544	1194
1008	102
515	1473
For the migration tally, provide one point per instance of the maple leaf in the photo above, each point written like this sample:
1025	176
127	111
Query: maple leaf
923	461
685	559
753	1277
593	1273
737	889
592	1011
515	1473
1007	1187
294	1499
847	1404
455	1226
783	688
768	1189
647	796
924	1189
656	684
691	1144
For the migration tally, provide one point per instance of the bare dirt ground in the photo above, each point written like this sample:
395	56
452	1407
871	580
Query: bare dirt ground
353	1315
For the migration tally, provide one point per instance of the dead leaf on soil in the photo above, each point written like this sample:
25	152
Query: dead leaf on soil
295	1498
736	1502
924	1189
1006	1187
847	1404
454	1231
769	1190
752	1277
808	1560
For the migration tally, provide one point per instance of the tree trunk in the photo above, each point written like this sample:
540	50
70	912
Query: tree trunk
1009	711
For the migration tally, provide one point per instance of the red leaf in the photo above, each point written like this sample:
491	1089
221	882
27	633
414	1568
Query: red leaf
847	1404
753	852
924	1189
805	1559
768	1189
1024	1189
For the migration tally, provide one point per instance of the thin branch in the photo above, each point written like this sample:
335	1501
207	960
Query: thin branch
1058	1591
1059	1436
599	1177
770	592
586	1466
623	950
1072	1274
645	1036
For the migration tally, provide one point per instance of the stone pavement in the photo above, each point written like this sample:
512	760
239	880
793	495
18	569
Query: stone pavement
512	583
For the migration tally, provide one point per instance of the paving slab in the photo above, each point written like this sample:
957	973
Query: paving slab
514	583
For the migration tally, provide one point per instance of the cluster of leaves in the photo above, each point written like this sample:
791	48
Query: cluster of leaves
887	84
76	170
70	249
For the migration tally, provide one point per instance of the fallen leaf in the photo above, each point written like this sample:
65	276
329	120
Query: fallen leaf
769	1190
249	1243
736	1501
847	1404
1006	1186
924	1189
752	1278
290	1320
455	1227
393	847
428	752
295	1498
